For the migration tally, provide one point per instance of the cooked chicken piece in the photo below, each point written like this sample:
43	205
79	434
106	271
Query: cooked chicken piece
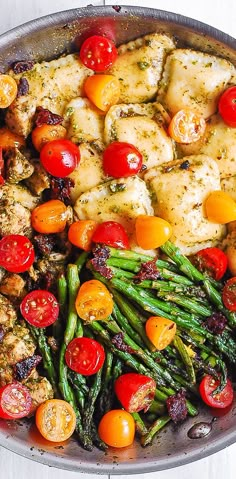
12	285
8	314
18	194
139	66
178	192
16	345
18	167
85	123
2	273
14	219
39	180
194	80
89	172
40	391
51	85
6	373
53	263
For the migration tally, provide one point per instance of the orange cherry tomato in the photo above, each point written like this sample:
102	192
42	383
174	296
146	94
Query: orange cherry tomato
8	139
152	231
102	90
220	207
117	428
160	331
55	420
50	217
186	126
45	133
8	90
93	301
81	232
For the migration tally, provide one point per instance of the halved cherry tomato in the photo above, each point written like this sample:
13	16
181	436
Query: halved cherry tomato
50	217
60	157
117	428
55	420
40	308
8	139
112	234
2	180
94	301
186	126
16	253
220	400
135	391
121	159
227	106
152	231
15	401
45	133
212	261
229	294
220	207
98	53
81	232
8	90
160	331
102	90
85	356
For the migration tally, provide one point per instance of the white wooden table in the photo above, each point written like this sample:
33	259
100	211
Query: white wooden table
223	16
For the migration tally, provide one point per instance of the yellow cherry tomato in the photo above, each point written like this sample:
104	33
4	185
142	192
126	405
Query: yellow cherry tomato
94	301
8	139
117	428
49	217
152	231
186	126
160	331
102	90
45	133
8	90
220	207
55	420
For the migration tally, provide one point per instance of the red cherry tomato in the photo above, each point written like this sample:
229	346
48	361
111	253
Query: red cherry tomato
16	253
84	356
60	157
98	53
135	391
213	261
15	401
40	308
112	234
220	400
227	106
122	159
229	294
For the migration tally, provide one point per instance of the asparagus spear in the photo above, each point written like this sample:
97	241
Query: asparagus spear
39	335
157	426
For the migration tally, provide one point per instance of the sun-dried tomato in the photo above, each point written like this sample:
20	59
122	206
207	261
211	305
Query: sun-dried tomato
216	323
23	66
43	115
23	368
23	87
148	270
100	255
60	189
44	243
118	341
177	407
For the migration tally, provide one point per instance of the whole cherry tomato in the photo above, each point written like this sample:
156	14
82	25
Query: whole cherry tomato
112	234
212	261
44	133
40	308
229	294
135	391
15	401
55	420
121	159
98	53
60	157
227	106
16	253
186	127
220	400
85	356
152	231
117	428
220	207
49	217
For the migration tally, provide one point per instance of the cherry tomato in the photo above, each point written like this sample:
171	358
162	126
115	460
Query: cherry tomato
227	106
229	294
212	261
8	90
135	391
152	231
220	400
94	301
40	308
8	139
55	420
60	157
160	331
85	356
16	253
15	401
98	53
50	217
117	428
186	127
220	207
81	232
121	159
45	133
2	180
112	234
102	90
